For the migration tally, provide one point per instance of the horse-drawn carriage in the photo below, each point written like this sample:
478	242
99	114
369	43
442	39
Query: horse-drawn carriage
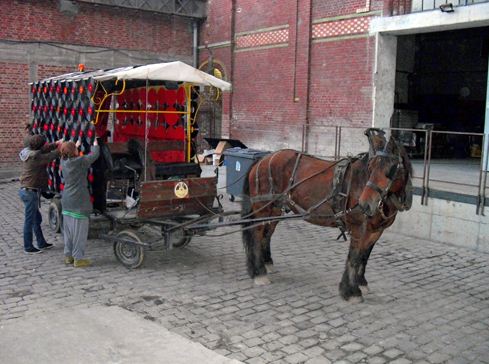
145	120
147	174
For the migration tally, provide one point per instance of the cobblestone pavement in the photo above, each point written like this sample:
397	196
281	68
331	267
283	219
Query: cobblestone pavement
429	303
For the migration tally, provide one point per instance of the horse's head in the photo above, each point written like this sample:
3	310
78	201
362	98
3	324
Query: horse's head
389	172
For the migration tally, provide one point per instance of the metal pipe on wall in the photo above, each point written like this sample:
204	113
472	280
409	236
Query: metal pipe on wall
233	59
195	44
307	119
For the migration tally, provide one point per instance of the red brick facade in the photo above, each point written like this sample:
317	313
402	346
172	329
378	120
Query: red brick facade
14	109
101	26
293	63
29	23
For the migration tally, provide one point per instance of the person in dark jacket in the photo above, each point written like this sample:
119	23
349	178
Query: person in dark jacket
33	180
75	200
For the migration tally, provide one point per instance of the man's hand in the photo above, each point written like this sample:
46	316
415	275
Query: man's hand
78	143
95	142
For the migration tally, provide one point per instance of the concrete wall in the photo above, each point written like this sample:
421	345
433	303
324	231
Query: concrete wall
445	221
38	40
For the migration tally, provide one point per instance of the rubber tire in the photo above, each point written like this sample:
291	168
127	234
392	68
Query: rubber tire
129	255
55	218
179	239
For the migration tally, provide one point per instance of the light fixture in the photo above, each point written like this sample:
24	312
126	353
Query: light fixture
447	8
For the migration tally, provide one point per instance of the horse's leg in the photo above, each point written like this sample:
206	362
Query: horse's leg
360	247
267	253
255	260
362	282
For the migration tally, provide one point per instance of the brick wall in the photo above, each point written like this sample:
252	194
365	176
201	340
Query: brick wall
14	108
294	63
342	94
37	41
102	26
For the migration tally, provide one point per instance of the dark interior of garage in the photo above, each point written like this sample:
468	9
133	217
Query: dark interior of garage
441	83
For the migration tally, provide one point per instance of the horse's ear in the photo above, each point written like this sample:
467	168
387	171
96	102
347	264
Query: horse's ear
370	133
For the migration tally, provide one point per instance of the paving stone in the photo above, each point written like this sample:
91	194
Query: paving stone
392	353
376	360
296	358
436	358
318	360
291	349
356	357
314	351
372	350
335	354
401	361
307	343
352	347
253	352
427	301
271	357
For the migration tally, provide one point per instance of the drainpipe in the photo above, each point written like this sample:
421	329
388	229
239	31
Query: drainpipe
232	62
307	120
195	46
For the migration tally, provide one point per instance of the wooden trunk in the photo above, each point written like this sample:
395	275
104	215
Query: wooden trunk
177	197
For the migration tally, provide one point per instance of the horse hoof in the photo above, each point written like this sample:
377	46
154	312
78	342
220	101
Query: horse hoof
269	268
355	299
262	281
364	289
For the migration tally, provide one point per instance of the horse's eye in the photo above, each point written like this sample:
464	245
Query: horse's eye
392	172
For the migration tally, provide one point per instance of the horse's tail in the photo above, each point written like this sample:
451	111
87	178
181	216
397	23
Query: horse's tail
247	232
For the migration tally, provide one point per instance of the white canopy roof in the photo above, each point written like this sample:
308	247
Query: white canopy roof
171	71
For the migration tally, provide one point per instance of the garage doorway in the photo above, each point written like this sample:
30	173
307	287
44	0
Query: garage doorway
441	83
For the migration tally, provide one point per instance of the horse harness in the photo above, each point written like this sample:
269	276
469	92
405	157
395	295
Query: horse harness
338	198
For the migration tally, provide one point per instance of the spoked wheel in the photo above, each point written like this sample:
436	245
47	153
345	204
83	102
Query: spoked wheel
178	238
54	215
127	249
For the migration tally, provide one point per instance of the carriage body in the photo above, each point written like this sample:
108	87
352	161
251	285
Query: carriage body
144	120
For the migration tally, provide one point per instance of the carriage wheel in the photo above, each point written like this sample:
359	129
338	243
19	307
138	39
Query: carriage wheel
54	215
131	255
178	238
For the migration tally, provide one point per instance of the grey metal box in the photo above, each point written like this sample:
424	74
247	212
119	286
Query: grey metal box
238	162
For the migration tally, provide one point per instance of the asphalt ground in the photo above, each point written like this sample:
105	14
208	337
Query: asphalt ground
428	302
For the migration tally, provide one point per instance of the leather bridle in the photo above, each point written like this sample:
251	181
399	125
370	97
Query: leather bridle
390	176
383	192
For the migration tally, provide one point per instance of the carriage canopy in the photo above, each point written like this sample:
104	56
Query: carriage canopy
171	71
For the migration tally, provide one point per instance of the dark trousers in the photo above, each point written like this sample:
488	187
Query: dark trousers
33	218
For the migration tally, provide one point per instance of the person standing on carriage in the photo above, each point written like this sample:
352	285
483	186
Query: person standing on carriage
75	200
33	181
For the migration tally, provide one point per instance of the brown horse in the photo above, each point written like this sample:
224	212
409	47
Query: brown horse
360	195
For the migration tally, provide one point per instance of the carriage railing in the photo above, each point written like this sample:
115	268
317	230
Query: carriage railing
446	164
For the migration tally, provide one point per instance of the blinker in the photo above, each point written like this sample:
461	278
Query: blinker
392	172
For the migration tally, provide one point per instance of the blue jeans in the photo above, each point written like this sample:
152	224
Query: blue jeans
32	220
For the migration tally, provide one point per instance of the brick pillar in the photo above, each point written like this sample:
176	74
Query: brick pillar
301	38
